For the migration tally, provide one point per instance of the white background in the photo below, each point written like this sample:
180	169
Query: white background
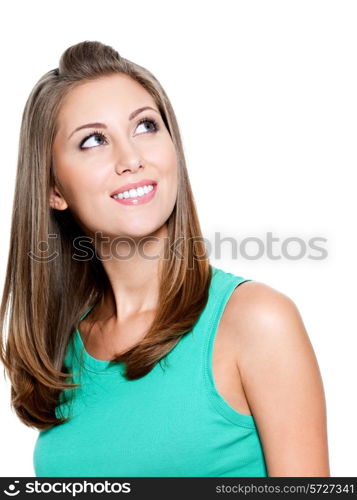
265	95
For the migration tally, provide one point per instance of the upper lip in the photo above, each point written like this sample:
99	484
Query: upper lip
133	185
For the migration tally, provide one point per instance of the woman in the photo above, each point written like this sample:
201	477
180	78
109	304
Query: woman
130	353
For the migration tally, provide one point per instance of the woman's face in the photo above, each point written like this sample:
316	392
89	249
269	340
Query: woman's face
120	148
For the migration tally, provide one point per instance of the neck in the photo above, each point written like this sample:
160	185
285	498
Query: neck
133	273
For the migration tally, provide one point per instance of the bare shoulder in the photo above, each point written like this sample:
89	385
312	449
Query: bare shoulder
281	379
263	304
256	312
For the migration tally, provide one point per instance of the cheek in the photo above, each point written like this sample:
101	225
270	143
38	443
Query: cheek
171	184
167	158
169	175
78	183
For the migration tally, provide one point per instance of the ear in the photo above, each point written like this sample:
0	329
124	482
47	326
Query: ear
57	201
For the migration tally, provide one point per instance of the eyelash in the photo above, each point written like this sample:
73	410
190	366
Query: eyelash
102	136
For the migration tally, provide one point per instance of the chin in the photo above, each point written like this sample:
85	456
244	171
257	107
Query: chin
140	231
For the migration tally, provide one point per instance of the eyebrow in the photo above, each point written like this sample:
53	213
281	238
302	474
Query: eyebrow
132	115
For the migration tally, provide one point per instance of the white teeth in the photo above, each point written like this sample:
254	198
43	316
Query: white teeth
135	193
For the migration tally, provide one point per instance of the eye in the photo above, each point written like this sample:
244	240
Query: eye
151	122
94	135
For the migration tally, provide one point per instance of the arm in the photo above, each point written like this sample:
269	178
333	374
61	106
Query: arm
282	382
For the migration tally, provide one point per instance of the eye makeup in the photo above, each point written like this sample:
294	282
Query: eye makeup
102	136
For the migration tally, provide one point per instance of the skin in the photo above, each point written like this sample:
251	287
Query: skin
263	358
280	379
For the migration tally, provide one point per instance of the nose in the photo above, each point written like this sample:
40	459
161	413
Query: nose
127	159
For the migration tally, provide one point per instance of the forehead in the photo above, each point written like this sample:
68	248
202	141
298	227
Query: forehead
94	100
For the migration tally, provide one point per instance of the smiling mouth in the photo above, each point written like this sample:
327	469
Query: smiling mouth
138	196
135	192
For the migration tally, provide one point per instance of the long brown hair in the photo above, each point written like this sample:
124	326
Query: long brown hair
43	298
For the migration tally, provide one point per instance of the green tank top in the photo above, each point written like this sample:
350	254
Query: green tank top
170	423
